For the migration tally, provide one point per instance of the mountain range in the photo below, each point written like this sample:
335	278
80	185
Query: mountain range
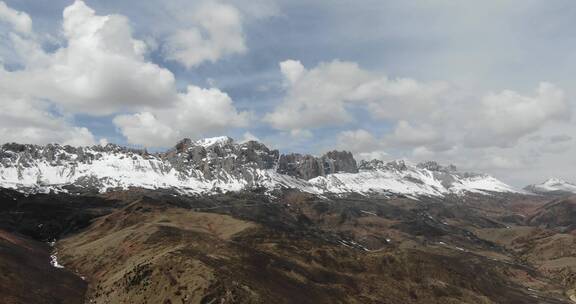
219	164
216	221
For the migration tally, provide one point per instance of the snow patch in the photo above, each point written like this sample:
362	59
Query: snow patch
54	261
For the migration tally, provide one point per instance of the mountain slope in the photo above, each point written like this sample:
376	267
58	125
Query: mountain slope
552	186
560	213
297	248
219	164
428	179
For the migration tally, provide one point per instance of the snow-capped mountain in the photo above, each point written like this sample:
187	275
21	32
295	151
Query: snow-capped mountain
428	179
551	186
220	164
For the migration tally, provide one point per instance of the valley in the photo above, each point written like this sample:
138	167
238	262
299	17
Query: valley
152	246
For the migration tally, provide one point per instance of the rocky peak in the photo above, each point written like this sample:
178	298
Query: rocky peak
339	161
376	164
214	141
434	166
183	145
308	166
220	156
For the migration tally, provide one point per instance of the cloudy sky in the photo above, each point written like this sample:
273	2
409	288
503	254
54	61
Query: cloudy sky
487	86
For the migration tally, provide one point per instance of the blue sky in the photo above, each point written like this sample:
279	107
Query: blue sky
487	86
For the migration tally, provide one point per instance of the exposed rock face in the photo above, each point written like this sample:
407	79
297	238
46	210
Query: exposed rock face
221	156
301	166
376	164
434	166
339	161
308	166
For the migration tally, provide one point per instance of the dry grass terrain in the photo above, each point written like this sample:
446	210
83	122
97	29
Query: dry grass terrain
143	246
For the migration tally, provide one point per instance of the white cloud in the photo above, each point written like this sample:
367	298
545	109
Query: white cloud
368	156
422	152
26	120
315	97
103	142
217	32
101	69
433	115
507	116
145	129
292	70
324	95
358	141
20	21
408	134
248	136
301	134
198	112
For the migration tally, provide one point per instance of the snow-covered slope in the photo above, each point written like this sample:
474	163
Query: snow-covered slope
207	165
552	185
428	179
220	164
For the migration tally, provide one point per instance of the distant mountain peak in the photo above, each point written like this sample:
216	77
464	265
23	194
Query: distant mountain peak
211	141
555	180
552	185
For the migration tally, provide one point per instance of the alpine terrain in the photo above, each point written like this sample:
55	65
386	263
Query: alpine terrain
215	221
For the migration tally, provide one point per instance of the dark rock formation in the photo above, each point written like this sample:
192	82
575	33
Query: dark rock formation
308	166
339	161
434	166
302	166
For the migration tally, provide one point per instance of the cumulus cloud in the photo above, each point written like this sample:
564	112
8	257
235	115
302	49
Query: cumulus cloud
20	21
102	68
292	70
198	112
408	134
434	115
26	120
358	141
324	95
145	129
248	136
217	32
507	116
315	97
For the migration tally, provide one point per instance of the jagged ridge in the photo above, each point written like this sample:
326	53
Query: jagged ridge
220	164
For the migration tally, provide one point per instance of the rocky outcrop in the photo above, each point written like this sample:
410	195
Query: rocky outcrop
376	164
308	166
436	167
221	157
301	166
339	162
